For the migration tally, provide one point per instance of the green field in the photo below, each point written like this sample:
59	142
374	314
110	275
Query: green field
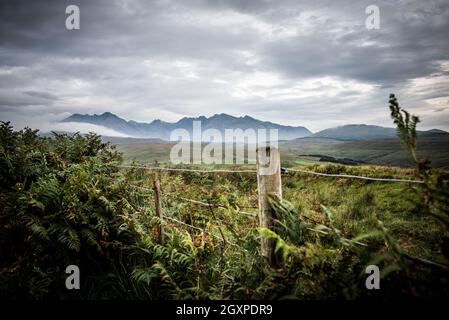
382	152
385	151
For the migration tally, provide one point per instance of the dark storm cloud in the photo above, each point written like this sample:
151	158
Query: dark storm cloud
287	61
402	49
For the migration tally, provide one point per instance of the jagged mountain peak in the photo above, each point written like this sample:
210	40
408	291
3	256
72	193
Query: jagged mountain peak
160	129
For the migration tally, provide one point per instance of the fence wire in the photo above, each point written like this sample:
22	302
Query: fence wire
353	176
188	170
194	227
217	205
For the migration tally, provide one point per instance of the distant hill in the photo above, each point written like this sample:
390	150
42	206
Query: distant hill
432	144
161	130
357	132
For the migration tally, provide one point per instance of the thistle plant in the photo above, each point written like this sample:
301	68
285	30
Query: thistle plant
434	191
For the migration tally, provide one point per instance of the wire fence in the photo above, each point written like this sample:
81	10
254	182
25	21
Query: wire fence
158	193
284	170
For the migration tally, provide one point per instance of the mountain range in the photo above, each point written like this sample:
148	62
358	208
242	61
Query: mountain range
162	130
158	129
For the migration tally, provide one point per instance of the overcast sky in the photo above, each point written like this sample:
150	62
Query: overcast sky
311	63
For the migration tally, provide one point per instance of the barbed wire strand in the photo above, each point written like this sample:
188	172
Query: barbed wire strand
219	206
191	226
188	170
142	188
354	177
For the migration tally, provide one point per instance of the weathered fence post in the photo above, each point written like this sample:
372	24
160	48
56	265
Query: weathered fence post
268	182
158	204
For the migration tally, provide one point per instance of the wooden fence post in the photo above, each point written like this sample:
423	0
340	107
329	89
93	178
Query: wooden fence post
268	182
158	204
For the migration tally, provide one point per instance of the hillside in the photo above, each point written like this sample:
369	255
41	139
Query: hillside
376	151
364	132
162	130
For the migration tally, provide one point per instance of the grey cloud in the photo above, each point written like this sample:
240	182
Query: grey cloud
42	95
399	51
21	99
